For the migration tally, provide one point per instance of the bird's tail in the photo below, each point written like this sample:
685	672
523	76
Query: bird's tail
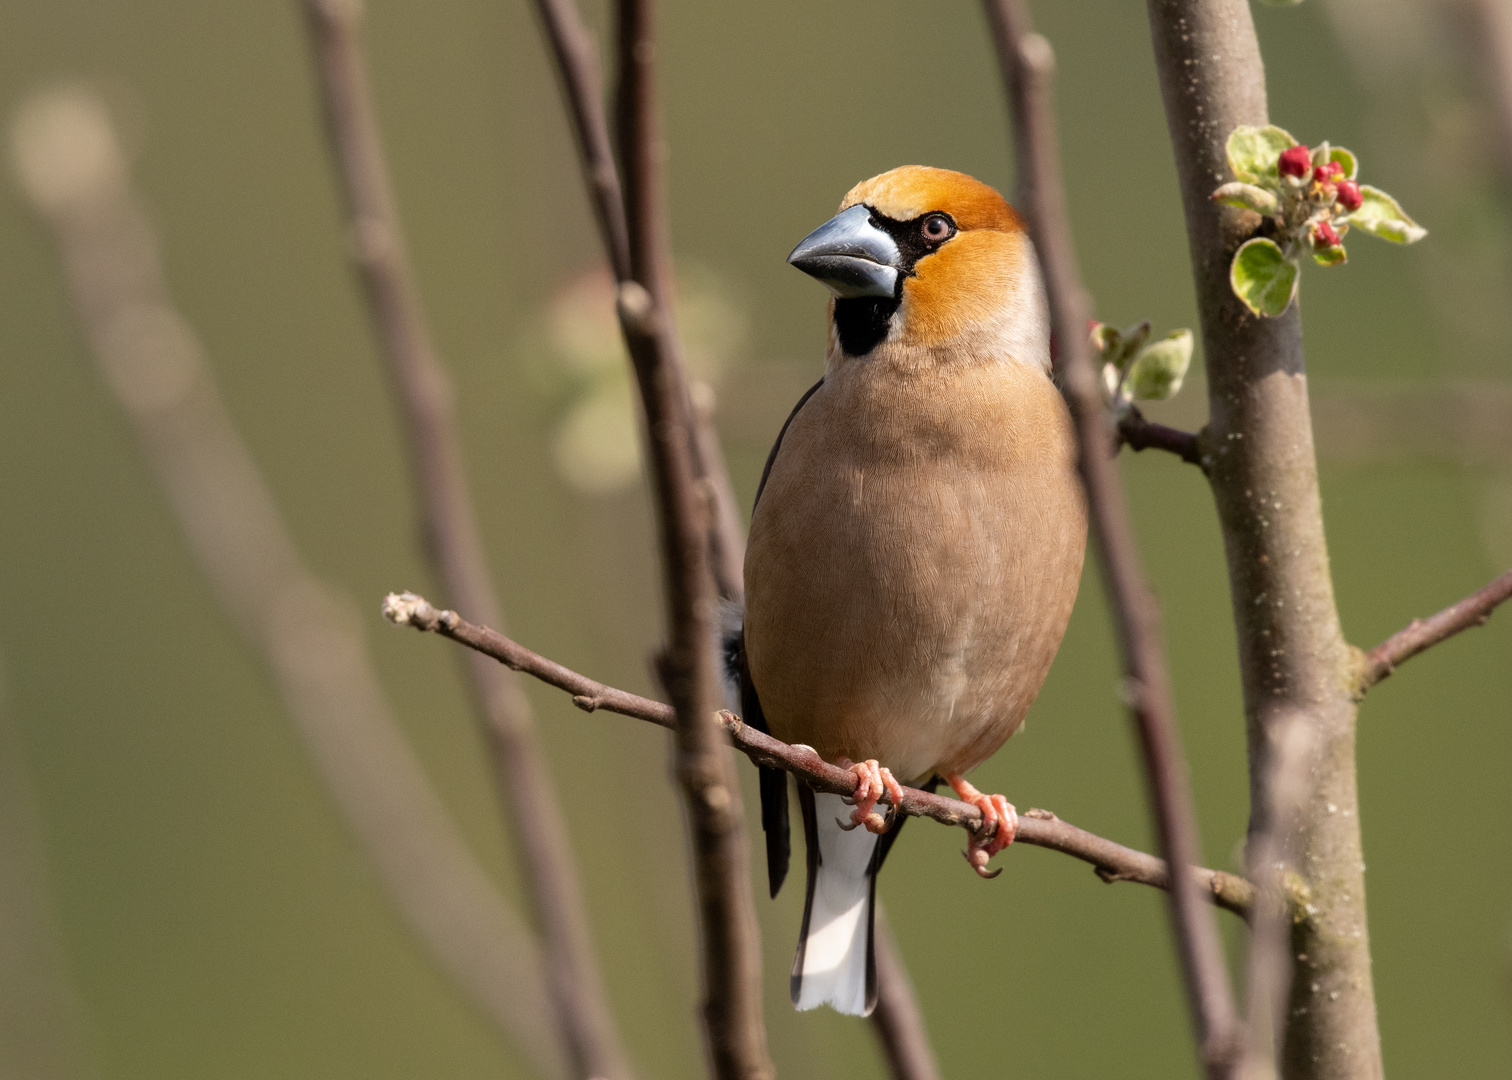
834	965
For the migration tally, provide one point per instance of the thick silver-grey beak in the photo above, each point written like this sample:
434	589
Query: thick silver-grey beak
850	255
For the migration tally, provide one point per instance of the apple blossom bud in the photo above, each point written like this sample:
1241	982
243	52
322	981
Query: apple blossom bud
1349	195
1325	236
1295	161
1328	172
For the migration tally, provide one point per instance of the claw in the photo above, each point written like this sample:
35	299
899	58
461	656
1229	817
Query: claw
871	781
999	825
977	860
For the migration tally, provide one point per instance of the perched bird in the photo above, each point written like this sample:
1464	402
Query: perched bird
916	543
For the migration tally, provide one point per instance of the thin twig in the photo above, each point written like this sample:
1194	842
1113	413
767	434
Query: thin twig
421	388
577	64
897	1020
1027	63
1140	434
734	1025
153	363
1112	861
576	55
1423	634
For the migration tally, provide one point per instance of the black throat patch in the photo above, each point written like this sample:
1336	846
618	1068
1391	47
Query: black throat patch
863	321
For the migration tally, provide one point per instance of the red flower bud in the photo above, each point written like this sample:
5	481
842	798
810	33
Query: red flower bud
1325	236
1295	161
1328	172
1349	195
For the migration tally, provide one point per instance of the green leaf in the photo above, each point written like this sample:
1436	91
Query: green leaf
1262	277
1381	215
1246	197
1280	3
1329	256
1346	160
1254	151
1157	372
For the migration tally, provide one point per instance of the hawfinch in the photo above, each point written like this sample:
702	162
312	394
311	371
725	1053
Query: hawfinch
916	543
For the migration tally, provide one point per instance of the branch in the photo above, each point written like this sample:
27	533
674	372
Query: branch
1293	657
897	1020
734	1025
1041	828
1141	434
420	385
1027	64
576	55
1423	634
154	365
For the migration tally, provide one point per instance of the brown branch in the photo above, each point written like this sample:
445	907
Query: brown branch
1423	634
1293	658
1138	433
577	65
576	56
154	365
734	1025
1041	828
1027	63
896	1020
421	387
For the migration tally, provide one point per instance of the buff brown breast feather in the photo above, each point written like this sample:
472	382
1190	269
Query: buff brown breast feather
916	544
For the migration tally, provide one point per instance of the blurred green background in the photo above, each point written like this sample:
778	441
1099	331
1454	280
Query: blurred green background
193	907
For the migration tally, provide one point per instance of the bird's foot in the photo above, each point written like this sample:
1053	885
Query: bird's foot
999	824
871	781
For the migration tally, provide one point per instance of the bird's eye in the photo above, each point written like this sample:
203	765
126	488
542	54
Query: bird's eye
936	227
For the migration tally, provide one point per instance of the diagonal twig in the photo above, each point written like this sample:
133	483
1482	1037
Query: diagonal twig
423	394
155	367
577	65
1112	861
1423	634
1027	63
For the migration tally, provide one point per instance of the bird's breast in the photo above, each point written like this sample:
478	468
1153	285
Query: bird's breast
912	563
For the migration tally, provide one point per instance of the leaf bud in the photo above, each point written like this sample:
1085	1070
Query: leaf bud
1295	161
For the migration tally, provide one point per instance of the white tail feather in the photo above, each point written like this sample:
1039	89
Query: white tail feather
834	955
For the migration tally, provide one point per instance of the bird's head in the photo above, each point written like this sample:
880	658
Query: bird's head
932	260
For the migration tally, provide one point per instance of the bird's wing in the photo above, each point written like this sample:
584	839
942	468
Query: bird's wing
766	470
774	801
